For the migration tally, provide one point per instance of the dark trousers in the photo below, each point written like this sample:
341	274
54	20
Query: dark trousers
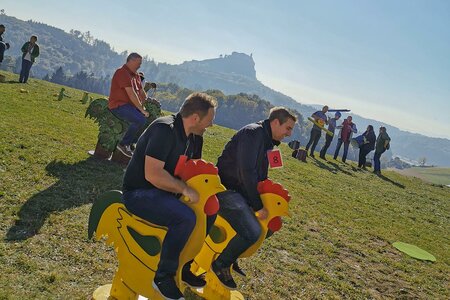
363	151
132	115
2	50
164	209
313	139
376	161
25	71
234	209
328	140
338	147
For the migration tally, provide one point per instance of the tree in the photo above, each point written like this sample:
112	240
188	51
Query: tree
59	76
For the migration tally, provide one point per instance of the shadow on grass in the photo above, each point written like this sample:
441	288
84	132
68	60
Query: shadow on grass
391	181
78	184
334	169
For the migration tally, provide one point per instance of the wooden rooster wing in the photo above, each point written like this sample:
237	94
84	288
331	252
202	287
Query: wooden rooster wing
276	200
137	242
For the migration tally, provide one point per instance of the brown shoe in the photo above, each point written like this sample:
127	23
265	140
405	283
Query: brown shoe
125	150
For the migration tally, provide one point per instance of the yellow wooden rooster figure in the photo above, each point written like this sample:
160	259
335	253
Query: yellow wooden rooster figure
276	200
138	242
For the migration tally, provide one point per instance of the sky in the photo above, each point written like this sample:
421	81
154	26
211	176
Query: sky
385	60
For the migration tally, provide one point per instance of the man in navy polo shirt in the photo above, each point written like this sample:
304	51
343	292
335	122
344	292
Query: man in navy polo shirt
150	188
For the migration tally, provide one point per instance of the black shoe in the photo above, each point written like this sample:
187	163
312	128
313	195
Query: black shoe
238	269
311	155
191	280
168	289
322	157
224	276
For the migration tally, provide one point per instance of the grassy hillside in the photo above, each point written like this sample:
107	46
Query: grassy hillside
336	245
430	174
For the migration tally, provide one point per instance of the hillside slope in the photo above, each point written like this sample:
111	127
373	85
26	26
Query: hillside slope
232	74
336	245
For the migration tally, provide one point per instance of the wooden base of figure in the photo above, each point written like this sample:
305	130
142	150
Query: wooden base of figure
102	292
120	158
100	152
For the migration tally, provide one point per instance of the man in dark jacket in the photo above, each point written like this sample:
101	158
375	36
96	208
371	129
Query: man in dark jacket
30	50
367	146
382	145
243	163
316	132
3	46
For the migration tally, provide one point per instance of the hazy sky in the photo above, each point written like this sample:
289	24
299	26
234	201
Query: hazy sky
386	60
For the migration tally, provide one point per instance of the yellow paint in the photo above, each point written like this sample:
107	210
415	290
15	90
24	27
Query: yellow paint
275	205
136	268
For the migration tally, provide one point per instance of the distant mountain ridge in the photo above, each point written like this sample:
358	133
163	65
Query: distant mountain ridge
232	74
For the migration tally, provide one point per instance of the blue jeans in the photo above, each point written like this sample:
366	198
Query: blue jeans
132	115
376	161
164	209
25	71
234	209
338	147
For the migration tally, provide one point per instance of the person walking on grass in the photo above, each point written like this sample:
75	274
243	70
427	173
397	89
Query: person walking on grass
126	101
30	50
329	138
382	144
316	132
367	146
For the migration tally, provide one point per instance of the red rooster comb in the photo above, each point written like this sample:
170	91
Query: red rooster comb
191	168
268	186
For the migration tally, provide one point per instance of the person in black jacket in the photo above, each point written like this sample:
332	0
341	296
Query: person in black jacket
367	146
3	46
244	163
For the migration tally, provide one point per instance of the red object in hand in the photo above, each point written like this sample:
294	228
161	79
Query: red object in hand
211	206
275	224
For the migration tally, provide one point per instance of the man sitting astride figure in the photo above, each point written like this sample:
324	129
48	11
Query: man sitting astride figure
316	131
126	101
150	188
329	138
242	165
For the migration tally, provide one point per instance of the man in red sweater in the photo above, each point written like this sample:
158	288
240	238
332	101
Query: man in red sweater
126	101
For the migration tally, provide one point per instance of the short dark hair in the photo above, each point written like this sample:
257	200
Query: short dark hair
133	55
281	114
35	37
2	26
198	103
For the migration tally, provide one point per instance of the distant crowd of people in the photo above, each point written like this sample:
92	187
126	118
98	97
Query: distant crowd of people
366	142
30	51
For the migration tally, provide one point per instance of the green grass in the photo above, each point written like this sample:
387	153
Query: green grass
433	175
336	245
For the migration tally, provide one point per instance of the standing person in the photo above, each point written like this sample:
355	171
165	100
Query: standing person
126	101
367	146
382	145
242	165
316	131
345	134
3	46
30	50
149	185
329	138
